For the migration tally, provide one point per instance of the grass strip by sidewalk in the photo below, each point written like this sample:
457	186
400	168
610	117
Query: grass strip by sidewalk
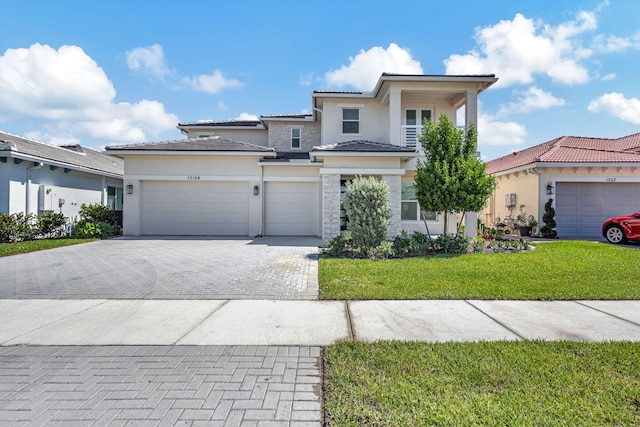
524	383
7	249
561	270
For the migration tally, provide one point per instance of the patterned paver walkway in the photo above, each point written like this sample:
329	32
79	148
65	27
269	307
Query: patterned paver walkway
161	385
282	268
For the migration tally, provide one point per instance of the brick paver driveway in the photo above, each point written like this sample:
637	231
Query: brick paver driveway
161	385
167	268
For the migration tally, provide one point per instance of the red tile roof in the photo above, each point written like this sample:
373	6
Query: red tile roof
573	149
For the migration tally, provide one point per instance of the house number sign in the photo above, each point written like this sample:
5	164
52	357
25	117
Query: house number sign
611	180
193	177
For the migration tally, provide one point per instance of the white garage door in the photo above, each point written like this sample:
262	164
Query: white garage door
292	209
582	207
195	208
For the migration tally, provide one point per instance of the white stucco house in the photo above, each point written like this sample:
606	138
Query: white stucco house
36	177
284	174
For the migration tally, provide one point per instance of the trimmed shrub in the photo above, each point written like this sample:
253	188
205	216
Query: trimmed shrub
548	230
96	221
51	224
367	204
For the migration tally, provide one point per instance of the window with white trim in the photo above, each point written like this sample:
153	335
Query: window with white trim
350	120
296	134
409	207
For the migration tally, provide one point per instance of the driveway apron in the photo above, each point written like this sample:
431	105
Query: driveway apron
283	268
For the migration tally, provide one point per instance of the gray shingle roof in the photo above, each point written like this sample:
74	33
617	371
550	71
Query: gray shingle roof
364	146
286	116
71	155
223	123
213	143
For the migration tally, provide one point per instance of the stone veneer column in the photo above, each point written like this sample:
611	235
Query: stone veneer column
395	195
330	206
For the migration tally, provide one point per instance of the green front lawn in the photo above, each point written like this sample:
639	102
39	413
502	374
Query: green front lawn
526	383
558	270
7	249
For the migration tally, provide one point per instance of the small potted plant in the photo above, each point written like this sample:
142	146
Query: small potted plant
532	223
525	223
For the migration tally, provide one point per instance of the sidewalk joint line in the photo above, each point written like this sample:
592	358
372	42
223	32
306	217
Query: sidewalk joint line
214	311
352	333
496	320
104	301
607	313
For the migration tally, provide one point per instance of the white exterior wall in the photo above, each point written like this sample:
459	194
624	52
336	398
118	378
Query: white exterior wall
375	118
374	121
139	169
75	187
280	135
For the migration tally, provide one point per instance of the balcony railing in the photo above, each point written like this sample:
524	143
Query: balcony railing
410	135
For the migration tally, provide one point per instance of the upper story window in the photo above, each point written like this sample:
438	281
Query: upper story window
296	134
350	120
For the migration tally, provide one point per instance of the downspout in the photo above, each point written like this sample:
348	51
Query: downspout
36	165
262	200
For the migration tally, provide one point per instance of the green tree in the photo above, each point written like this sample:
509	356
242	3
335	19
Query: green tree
451	178
367	204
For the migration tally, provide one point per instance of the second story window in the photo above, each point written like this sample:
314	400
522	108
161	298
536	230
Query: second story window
350	120
295	137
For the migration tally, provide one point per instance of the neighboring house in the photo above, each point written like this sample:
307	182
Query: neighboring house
589	180
36	177
284	174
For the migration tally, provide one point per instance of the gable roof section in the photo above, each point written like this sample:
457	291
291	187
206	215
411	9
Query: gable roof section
361	146
210	144
573	149
223	123
72	156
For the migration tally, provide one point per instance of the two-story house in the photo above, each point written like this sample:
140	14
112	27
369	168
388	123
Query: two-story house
284	174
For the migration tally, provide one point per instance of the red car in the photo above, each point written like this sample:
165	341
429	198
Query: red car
622	228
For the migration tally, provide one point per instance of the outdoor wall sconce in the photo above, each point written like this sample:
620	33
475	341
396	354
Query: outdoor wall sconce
129	189
549	189
256	190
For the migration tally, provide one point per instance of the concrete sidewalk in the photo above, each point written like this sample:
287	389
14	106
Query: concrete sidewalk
309	323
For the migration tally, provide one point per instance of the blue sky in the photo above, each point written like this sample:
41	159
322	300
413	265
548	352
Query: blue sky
110	72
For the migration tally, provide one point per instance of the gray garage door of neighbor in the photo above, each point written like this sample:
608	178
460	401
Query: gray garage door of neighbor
195	208
292	209
582	207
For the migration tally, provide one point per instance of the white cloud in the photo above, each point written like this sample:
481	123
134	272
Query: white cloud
306	79
222	106
495	133
148	60
517	50
57	139
67	88
246	116
211	83
617	105
532	99
365	68
610	76
611	43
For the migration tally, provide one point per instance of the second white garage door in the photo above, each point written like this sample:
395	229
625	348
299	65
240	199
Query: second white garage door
582	207
195	208
292	209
